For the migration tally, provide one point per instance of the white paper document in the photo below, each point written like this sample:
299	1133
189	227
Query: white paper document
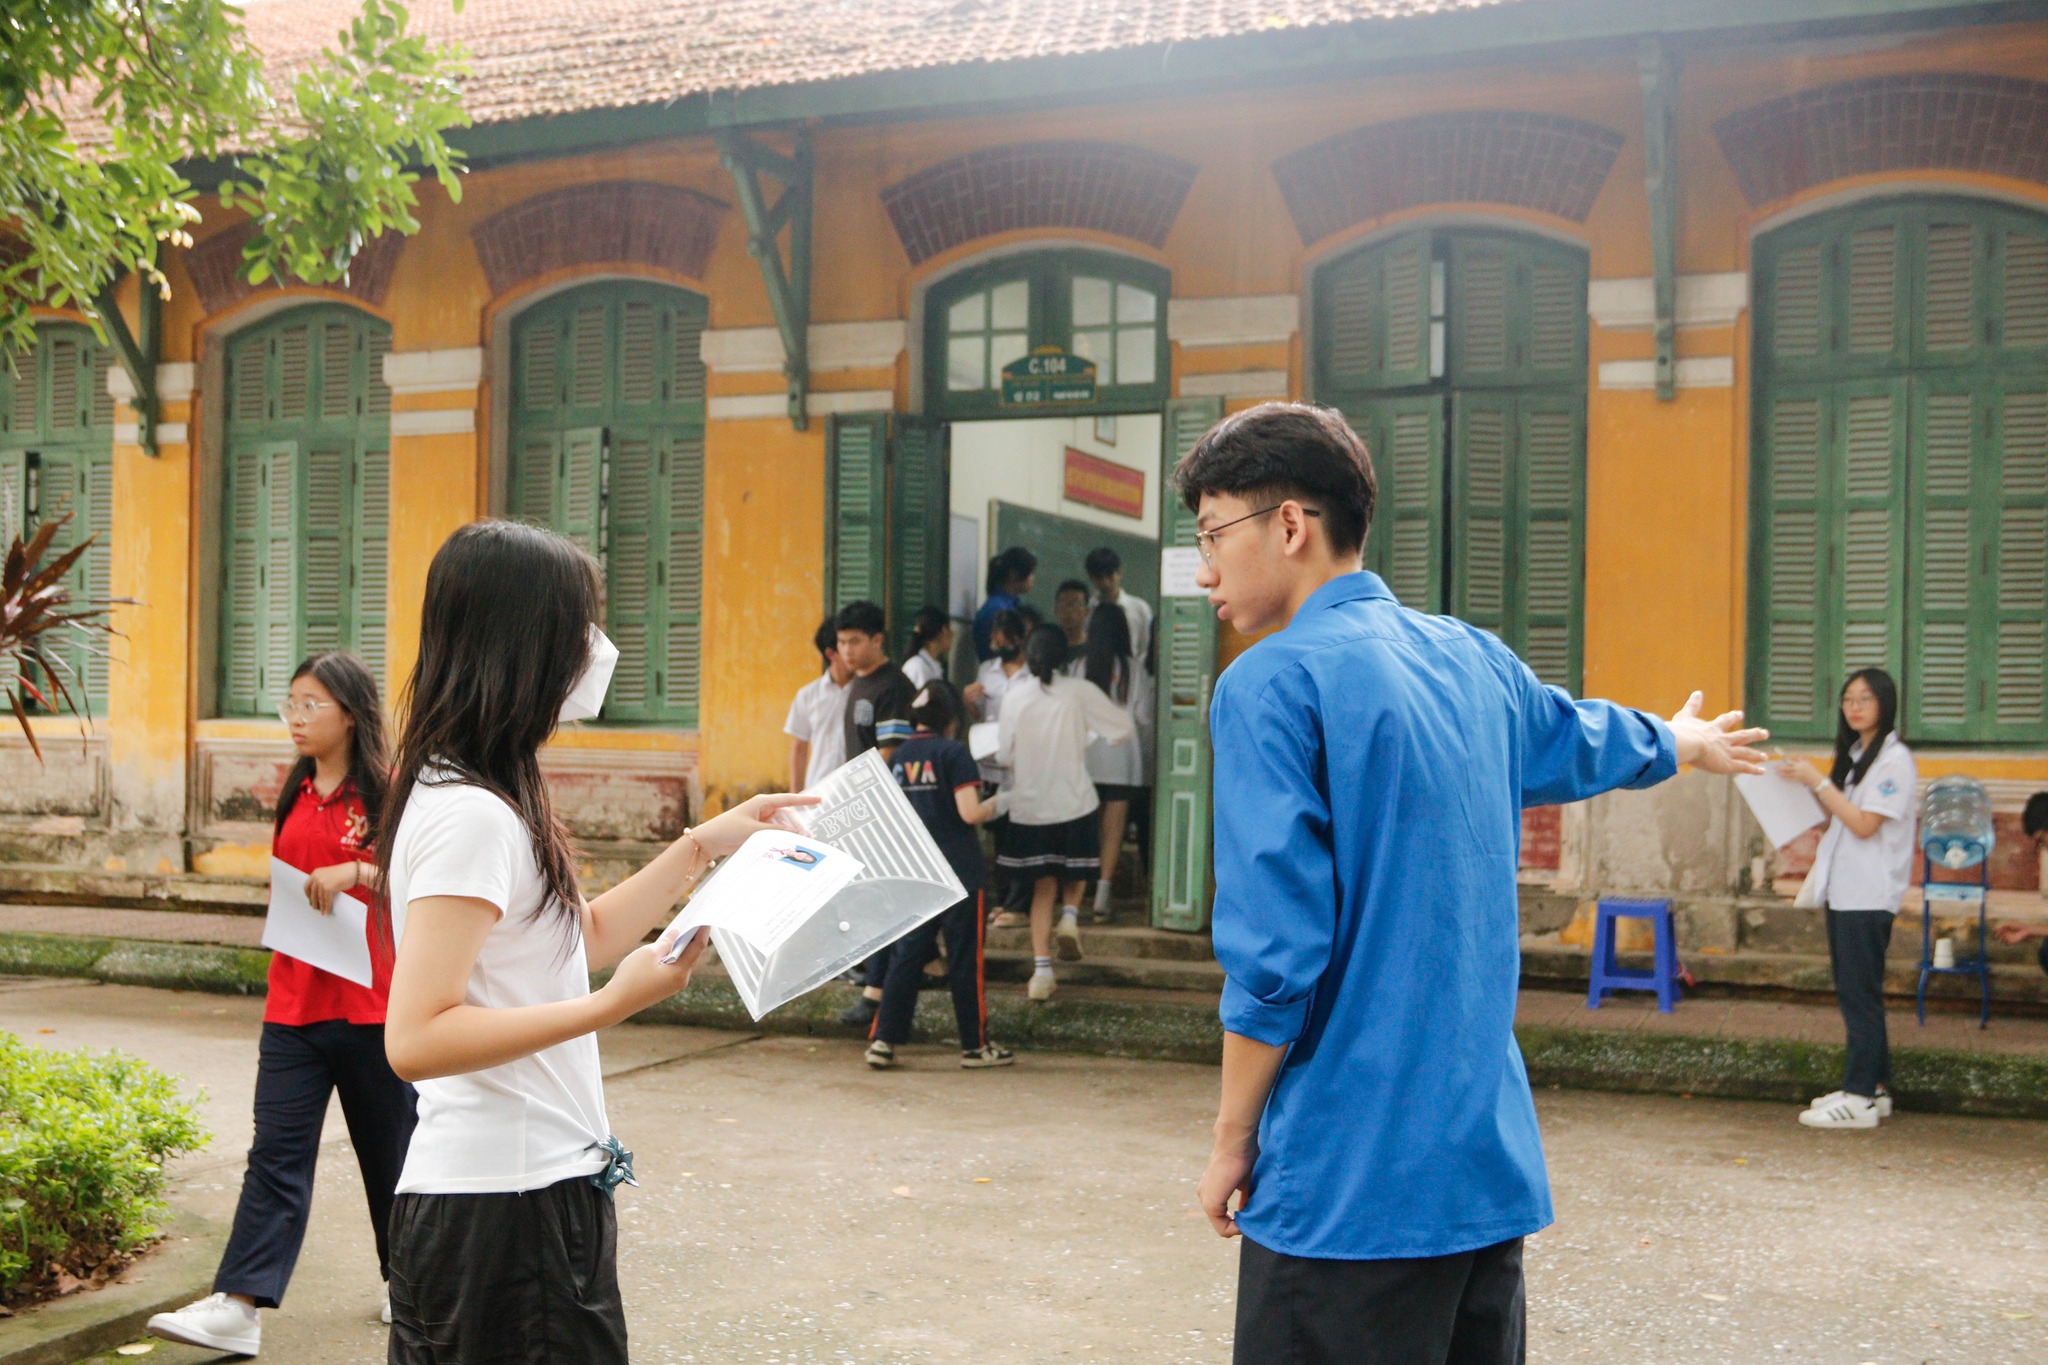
338	942
1786	810
981	740
1178	565
767	891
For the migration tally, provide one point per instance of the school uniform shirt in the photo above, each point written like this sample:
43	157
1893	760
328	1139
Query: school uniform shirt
818	717
1371	768
932	769
1873	873
1120	763
1042	739
922	668
996	682
321	832
985	621
884	694
527	1123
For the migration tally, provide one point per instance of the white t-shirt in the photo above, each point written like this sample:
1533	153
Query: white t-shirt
527	1123
922	668
995	685
1873	873
818	717
1042	738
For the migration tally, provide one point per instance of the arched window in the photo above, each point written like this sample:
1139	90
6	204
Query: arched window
1460	356
57	457
607	447
1899	468
1108	310
307	499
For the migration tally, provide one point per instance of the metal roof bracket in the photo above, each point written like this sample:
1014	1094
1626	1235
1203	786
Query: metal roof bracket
1660	179
789	287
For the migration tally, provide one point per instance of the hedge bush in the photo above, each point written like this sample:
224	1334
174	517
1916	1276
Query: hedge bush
83	1141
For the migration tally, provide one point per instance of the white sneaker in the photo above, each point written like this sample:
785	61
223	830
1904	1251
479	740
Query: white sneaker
1850	1111
384	1314
1042	984
1883	1101
1068	935
217	1321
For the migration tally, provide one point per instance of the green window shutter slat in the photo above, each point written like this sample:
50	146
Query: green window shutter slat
282	621
685	589
1405	437
246	366
1873	303
1938	701
1482	311
855	508
337	367
1187	668
1557	315
589	327
1374	309
13	494
639	351
632	608
918	522
1949	286
373	558
61	493
2018	678
324	550
1796	304
535	461
242	617
1347	311
1551	574
96	570
1483	427
686	358
1873	439
1793	549
25	386
376	393
577	480
101	362
67	384
540	345
294	372
2023	296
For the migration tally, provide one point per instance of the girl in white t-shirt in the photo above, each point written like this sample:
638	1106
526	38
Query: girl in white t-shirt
503	1234
1862	871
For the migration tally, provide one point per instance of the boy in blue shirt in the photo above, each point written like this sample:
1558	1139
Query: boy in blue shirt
1371	768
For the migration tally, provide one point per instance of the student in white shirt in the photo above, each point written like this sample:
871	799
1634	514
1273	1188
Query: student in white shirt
992	681
817	718
1863	868
1042	739
1106	571
503	1233
1117	768
931	644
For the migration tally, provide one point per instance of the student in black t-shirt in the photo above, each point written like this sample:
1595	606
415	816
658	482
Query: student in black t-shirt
878	693
943	783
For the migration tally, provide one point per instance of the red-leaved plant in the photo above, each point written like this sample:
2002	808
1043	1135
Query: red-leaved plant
37	610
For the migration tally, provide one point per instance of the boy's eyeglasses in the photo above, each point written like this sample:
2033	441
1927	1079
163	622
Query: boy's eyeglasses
1205	541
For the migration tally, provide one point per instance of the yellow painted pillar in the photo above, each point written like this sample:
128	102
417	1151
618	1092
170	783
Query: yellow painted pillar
437	459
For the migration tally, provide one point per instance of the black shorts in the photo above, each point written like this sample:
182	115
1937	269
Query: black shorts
1463	1309
1070	850
507	1279
1107	792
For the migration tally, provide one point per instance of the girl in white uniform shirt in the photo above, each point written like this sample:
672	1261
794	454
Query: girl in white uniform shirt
931	644
1862	871
503	1235
1042	739
1117	769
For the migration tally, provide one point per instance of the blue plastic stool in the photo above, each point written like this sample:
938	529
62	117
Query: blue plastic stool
1662	978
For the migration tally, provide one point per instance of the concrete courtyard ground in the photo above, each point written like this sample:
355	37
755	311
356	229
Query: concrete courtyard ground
795	1207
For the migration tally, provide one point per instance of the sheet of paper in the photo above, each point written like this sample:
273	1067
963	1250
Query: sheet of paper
338	942
764	892
1177	567
981	740
1786	810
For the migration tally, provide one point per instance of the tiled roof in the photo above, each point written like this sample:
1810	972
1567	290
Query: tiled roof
535	57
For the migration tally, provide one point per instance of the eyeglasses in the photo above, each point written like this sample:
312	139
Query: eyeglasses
1205	541
308	709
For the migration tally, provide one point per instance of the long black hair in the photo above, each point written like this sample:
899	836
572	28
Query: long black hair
1847	774
504	635
1045	652
930	624
354	688
1108	651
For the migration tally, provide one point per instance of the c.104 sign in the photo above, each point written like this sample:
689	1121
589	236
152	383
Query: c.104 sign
1049	375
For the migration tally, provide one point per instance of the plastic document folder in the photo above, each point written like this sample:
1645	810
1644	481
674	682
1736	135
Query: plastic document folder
776	938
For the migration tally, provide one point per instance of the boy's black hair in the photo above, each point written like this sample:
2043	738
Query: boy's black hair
1071	585
826	637
1010	621
2034	819
1276	451
935	707
863	616
1102	562
1011	566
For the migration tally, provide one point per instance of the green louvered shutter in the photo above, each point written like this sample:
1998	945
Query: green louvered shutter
2016	616
1182	799
1373	314
856	507
1549	561
579	481
683	649
13	495
242	574
1485	339
2022	305
1405	437
325	550
1482	508
1790	534
283	586
535	458
372	560
918	524
632	611
1874	327
1867	526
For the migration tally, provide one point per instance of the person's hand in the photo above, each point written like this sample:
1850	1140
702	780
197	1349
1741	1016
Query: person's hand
722	835
1230	1171
973	694
1719	745
642	978
325	884
2010	933
1801	774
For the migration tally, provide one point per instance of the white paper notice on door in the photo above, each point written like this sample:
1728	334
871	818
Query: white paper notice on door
1178	565
1786	810
338	942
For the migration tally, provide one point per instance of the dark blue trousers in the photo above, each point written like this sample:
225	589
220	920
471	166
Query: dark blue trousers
299	1066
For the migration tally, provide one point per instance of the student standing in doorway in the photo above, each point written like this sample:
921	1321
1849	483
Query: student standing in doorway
1009	578
1055	838
879	694
931	644
1106	571
992	681
1863	868
817	718
1070	613
504	1236
321	1032
1372	764
1117	768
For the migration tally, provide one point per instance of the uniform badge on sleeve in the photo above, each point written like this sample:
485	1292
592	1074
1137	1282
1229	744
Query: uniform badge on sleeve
1888	787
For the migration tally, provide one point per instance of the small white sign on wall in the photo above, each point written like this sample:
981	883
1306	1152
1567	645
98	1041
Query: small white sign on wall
1178	565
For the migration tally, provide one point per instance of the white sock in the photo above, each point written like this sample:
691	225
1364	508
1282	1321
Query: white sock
1102	895
1041	964
1070	912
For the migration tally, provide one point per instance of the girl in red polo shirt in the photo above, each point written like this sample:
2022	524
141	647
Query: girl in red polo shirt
321	1032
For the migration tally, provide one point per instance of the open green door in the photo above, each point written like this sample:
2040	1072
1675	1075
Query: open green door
1181	793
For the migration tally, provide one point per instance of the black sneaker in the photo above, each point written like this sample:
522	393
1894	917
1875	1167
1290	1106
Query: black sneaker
987	1055
880	1055
860	1013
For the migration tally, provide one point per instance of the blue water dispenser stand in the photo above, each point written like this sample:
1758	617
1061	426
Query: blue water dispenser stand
1934	893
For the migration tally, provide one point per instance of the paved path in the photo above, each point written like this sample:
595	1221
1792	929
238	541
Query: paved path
797	1208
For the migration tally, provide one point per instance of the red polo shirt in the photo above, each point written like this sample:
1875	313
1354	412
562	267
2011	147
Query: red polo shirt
320	833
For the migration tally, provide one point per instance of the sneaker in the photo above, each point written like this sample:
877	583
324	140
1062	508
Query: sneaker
1041	987
1010	919
1103	913
1850	1111
384	1313
860	1013
1883	1100
880	1055
217	1321
1068	936
987	1055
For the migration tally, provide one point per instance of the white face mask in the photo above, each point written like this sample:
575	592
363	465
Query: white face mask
586	698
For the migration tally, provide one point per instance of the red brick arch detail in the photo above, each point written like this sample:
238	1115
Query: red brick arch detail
1495	156
616	222
215	266
1099	186
1914	121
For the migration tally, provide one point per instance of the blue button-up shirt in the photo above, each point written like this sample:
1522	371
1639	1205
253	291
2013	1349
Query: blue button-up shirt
1372	764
